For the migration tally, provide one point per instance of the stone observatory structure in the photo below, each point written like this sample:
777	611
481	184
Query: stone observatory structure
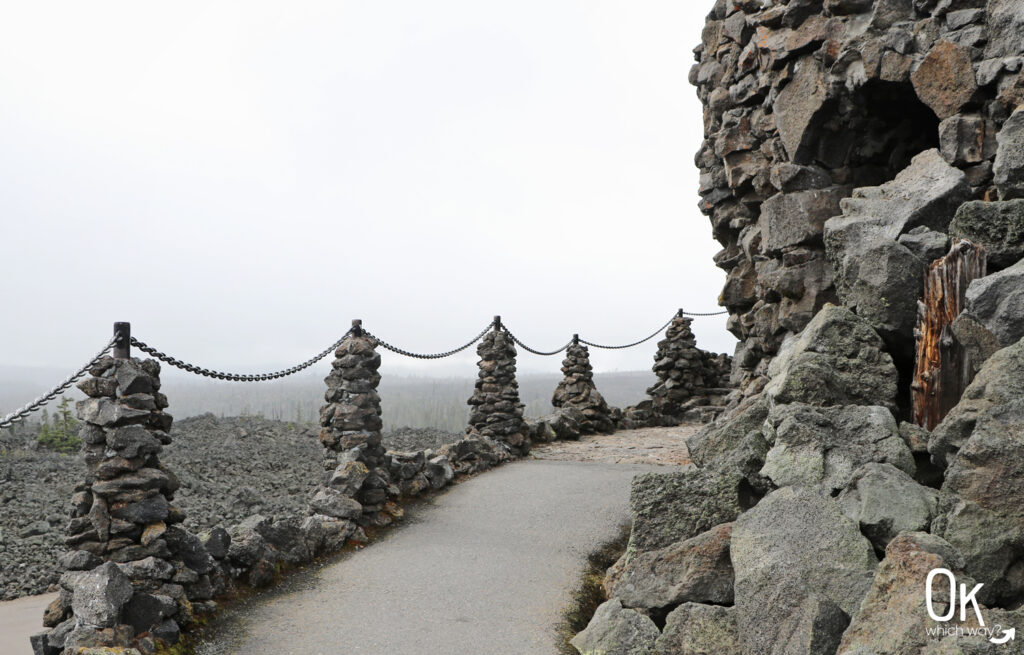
863	168
577	391
850	110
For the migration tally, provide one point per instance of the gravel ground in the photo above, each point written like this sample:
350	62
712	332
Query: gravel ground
229	468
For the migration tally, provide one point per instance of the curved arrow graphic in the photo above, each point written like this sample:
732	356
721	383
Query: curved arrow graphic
1007	636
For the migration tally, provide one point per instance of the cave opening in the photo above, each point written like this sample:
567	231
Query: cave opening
868	136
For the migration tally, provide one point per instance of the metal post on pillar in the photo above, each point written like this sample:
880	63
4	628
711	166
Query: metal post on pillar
679	314
497	323
357	327
575	339
123	342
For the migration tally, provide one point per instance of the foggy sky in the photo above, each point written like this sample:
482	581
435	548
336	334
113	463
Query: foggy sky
241	179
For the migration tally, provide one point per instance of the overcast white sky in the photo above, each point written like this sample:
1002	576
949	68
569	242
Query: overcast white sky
241	179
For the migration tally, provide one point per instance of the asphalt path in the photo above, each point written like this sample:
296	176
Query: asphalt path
486	567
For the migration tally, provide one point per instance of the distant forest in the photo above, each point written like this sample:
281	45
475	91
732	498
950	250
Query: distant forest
417	402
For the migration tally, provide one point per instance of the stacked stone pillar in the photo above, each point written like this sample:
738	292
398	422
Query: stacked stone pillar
133	576
577	390
358	485
496	412
683	370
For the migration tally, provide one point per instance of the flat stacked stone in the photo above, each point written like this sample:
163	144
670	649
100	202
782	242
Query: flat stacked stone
684	371
496	412
134	576
577	390
360	482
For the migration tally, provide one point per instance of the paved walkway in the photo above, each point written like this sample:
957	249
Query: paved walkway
19	620
486	567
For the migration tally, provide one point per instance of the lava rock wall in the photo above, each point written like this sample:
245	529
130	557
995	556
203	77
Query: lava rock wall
816	110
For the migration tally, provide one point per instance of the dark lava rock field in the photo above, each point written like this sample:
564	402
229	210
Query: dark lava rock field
229	468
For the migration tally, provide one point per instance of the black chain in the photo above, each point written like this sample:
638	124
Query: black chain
724	311
529	349
448	353
630	345
37	404
236	377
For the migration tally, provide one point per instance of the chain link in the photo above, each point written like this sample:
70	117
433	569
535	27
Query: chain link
448	353
529	349
630	345
724	311
237	377
37	404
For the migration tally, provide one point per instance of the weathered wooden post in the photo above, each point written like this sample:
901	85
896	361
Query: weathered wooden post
495	411
132	572
941	370
577	390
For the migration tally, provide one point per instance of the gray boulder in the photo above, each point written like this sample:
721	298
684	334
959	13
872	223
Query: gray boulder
694	629
100	595
997	301
669	507
615	630
794	556
998	382
1005	20
791	219
996	226
1009	164
696	569
838	359
977	341
721	438
981	510
822	447
814	628
335	504
925	244
884	501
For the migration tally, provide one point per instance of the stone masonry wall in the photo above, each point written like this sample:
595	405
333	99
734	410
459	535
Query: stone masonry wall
807	101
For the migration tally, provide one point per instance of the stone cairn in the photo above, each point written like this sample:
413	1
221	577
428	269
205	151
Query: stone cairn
496	411
363	479
692	383
358	485
134	576
577	390
684	371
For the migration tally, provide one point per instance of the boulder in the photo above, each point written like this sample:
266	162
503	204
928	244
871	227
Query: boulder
348	477
1009	164
821	447
945	79
981	509
967	139
797	105
721	438
837	360
795	556
893	618
791	219
335	504
927	192
692	570
997	302
925	244
615	630
996	226
814	628
884	501
99	595
998	382
1005	21
669	507
694	629
977	340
